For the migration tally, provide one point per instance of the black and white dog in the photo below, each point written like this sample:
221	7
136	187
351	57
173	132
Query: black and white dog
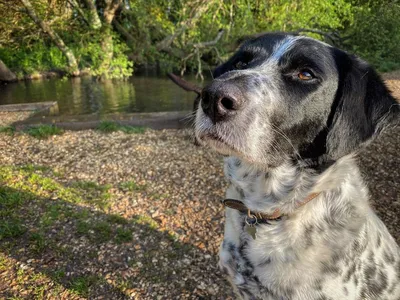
290	112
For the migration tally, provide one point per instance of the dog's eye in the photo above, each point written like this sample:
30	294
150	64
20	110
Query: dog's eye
240	65
305	75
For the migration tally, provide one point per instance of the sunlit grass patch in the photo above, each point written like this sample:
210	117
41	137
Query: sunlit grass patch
90	185
29	181
44	131
110	126
145	220
94	193
34	168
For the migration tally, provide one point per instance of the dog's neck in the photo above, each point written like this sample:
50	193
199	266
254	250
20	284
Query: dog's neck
284	187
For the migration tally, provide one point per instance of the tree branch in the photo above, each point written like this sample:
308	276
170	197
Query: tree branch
167	41
210	43
73	65
129	38
76	6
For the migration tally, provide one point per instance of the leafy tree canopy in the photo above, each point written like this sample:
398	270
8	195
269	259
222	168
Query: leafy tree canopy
106	37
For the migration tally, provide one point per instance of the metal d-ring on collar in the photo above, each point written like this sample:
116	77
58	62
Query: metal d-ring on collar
250	219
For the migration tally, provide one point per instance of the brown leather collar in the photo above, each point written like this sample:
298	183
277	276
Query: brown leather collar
238	205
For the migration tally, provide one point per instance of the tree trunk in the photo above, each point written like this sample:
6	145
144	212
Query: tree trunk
94	19
128	37
5	73
107	42
72	64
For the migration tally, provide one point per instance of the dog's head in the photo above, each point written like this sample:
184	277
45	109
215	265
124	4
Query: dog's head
292	97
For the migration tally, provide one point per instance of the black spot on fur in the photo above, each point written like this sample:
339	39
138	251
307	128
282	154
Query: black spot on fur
359	246
308	231
265	262
355	281
318	285
375	283
350	272
378	241
330	269
370	271
336	258
238	163
388	257
231	247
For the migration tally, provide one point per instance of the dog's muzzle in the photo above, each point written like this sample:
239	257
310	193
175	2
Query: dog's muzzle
221	100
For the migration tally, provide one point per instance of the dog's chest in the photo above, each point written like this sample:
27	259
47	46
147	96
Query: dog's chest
292	258
249	261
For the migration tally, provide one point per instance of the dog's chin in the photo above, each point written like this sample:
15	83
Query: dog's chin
218	144
223	147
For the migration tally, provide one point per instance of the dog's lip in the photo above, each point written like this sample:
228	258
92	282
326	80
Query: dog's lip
216	139
212	136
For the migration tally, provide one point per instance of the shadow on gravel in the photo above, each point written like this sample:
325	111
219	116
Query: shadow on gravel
54	248
380	164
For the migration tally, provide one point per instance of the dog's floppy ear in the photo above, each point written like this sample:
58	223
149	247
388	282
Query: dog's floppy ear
187	86
363	106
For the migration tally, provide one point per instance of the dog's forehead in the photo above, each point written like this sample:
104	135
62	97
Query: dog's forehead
275	46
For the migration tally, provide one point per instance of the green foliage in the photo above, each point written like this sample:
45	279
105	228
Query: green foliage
37	58
168	33
44	131
11	228
375	34
91	55
81	284
123	235
7	130
132	186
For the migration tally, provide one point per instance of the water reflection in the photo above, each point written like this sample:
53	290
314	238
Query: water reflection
84	95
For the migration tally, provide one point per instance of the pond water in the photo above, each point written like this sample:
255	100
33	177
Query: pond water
85	95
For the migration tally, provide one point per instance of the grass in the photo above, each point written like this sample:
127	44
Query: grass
44	131
10	130
94	193
132	186
110	126
145	220
81	285
116	219
28	179
40	216
11	228
123	235
38	242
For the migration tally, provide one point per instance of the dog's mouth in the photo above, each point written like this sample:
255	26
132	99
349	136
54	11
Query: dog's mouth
218	143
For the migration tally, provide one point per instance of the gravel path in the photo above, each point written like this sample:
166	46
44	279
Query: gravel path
118	216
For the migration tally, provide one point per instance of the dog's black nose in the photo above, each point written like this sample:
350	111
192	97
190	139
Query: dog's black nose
220	101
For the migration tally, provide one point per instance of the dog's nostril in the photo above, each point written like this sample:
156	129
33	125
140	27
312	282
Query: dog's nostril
228	103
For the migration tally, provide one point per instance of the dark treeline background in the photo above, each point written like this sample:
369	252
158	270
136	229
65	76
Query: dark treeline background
109	38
